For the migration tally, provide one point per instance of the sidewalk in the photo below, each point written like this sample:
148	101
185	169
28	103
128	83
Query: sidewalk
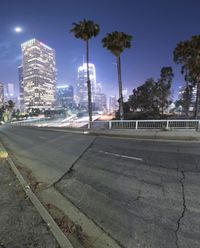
174	135
182	135
20	224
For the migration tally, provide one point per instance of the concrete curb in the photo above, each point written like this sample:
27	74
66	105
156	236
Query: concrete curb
98	237
145	135
148	136
57	233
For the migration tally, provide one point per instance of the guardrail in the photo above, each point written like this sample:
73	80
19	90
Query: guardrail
154	124
117	124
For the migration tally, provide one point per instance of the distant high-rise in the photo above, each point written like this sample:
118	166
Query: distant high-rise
181	91
82	92
9	90
125	95
100	101
38	83
9	94
113	105
192	96
21	87
65	96
1	94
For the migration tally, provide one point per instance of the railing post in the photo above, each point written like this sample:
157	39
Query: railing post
198	126
110	125
136	125
89	125
167	127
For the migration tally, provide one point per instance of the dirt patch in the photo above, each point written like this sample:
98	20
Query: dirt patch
20	224
28	176
72	230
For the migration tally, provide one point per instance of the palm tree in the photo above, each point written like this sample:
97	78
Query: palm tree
116	42
85	30
186	53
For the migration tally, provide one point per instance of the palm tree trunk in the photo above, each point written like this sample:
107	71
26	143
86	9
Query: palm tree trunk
121	109
162	109
187	99
88	85
197	101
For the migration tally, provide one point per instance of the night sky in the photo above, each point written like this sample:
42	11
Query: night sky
156	25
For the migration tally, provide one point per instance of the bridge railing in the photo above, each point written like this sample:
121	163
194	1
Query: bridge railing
154	124
117	124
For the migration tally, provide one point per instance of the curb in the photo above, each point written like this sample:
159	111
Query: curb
97	235
57	233
153	135
145	136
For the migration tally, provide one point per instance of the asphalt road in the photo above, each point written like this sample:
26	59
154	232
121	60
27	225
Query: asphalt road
145	194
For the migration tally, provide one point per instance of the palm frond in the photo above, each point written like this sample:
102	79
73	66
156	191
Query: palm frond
85	29
116	42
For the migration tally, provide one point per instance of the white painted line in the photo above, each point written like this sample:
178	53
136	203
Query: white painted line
122	156
41	137
66	131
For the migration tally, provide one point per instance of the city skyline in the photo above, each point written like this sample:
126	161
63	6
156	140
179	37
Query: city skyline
153	26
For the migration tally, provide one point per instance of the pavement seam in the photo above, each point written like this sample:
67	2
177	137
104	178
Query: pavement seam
70	170
57	233
184	208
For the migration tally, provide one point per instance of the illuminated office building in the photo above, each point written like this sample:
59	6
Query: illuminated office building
82	92
100	101
21	87
65	96
9	90
37	75
1	94
113	104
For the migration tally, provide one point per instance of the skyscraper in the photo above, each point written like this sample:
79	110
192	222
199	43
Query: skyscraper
39	75
82	92
65	96
9	90
113	105
1	94
21	87
9	94
100	101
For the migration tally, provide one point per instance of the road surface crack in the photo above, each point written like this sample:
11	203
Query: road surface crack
183	209
70	170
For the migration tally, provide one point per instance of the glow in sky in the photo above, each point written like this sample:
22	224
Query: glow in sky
18	29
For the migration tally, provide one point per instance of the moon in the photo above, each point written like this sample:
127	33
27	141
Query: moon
18	29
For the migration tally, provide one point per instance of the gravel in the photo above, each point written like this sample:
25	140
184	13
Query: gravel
20	224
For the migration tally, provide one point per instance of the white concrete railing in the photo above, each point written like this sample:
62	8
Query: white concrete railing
118	124
31	122
148	124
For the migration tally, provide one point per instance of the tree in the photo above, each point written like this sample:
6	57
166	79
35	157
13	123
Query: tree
145	98
17	114
10	106
153	96
163	87
116	42
85	30
2	110
187	53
